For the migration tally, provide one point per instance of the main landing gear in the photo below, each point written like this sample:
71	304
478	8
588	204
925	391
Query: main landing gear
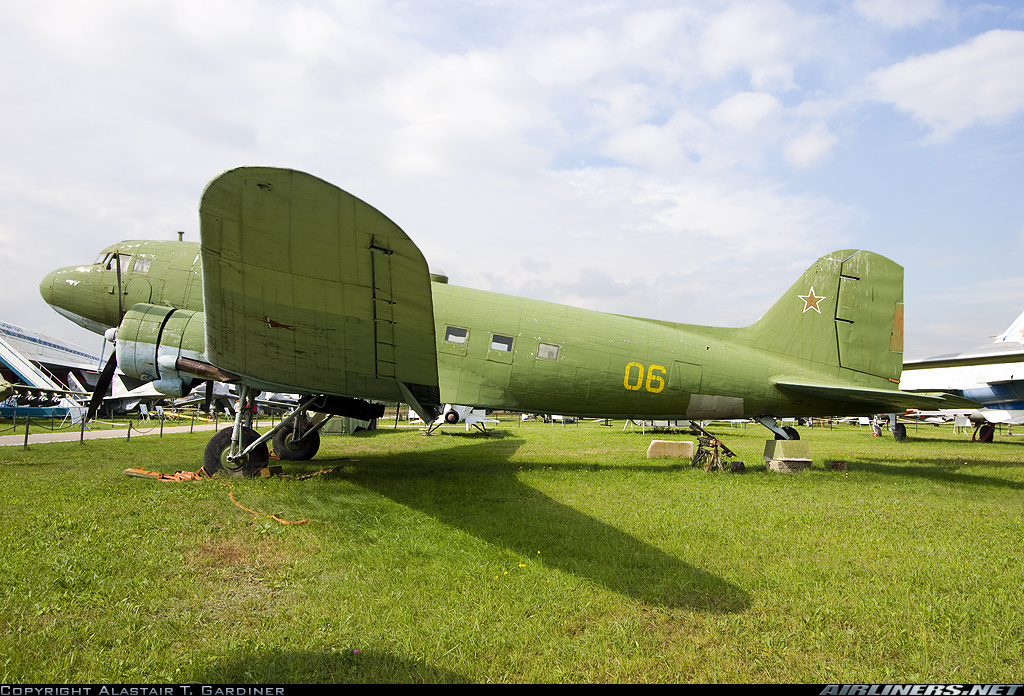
217	456
241	451
984	433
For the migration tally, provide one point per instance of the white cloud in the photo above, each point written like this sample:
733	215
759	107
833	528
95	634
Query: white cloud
764	39
745	111
898	14
975	82
810	147
572	58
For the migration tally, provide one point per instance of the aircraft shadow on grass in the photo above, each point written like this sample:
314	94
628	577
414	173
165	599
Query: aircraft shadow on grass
945	471
310	666
488	501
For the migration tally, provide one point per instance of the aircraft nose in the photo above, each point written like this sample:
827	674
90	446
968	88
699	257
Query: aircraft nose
46	287
77	293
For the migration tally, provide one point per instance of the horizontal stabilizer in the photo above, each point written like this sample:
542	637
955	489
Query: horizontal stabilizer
878	400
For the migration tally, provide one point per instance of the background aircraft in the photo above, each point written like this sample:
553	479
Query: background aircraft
297	286
47	376
991	374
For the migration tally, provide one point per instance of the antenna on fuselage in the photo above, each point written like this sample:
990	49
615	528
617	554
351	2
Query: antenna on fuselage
181	236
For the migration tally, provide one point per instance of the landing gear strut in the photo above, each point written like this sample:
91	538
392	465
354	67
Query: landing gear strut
781	433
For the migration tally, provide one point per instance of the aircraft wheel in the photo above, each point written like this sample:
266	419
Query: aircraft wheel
300	451
215	458
899	432
792	432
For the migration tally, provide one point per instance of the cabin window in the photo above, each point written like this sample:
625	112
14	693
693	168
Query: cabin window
142	265
503	343
454	334
548	351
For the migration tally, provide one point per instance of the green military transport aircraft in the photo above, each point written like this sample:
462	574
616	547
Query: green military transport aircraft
298	286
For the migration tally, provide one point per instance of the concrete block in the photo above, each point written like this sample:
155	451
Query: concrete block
670	449
787	455
786	449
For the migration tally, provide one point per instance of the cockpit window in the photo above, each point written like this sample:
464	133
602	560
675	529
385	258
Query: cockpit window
141	265
102	259
111	262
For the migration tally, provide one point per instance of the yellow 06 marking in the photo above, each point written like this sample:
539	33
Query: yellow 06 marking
634	378
627	381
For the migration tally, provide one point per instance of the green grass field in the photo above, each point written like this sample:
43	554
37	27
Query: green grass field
542	553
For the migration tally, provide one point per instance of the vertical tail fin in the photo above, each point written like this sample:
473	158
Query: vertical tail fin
845	311
1014	334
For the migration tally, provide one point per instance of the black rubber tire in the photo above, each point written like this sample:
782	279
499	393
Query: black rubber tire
215	457
793	433
301	451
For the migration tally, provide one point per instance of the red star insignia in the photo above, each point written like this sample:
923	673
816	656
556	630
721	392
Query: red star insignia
811	301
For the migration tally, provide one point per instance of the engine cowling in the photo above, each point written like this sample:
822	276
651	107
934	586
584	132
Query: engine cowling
152	343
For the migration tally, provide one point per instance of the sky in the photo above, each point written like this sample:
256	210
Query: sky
677	160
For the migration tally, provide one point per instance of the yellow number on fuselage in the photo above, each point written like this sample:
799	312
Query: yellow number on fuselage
639	379
655	381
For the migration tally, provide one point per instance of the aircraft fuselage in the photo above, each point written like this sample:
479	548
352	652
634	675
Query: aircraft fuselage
500	351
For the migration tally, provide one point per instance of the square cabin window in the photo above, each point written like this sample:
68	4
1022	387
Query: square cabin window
502	343
548	351
454	334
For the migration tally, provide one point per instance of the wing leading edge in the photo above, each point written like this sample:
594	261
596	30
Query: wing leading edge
308	289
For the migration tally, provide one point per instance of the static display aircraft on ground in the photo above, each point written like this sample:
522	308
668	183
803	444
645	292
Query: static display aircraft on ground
991	374
297	286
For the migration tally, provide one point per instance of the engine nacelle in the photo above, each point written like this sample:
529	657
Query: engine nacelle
152	339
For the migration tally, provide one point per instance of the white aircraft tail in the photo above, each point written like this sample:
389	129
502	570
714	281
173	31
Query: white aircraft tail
1014	334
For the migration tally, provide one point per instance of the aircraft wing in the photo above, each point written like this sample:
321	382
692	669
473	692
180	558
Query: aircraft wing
879	400
307	289
994	354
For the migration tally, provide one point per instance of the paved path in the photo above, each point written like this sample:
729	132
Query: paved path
41	436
